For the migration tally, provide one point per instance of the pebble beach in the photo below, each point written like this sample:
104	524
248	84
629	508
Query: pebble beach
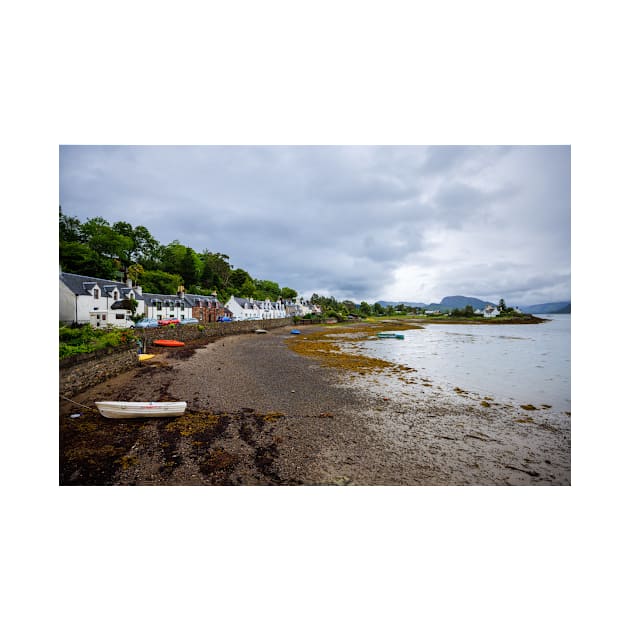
260	413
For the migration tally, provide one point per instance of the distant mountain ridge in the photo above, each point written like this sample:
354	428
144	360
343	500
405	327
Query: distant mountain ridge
548	308
452	302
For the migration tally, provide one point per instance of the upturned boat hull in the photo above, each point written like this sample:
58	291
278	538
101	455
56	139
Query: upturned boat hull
140	410
169	343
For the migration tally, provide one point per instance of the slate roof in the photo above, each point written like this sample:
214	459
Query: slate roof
192	299
152	298
81	285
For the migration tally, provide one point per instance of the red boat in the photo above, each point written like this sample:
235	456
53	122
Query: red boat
172	343
166	322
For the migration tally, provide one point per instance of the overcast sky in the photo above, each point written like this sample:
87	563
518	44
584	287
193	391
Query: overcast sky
399	223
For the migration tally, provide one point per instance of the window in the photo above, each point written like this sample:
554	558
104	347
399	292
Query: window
115	295
159	306
96	295
120	316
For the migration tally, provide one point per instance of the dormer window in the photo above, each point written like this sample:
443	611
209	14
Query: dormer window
115	295
96	294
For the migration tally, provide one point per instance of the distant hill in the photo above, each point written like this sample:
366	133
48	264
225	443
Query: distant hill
451	302
548	308
460	301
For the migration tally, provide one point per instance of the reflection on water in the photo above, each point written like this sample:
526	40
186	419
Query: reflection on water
522	363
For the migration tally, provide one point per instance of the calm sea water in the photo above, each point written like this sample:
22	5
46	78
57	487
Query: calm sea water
525	364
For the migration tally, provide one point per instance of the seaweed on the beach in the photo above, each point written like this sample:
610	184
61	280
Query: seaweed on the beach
321	345
192	423
273	416
218	461
92	449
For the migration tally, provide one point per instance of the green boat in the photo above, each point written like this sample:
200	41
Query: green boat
389	335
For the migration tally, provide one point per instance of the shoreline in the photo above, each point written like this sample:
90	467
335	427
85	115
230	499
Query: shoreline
261	414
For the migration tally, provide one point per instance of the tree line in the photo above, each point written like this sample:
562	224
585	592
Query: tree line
332	307
120	251
346	308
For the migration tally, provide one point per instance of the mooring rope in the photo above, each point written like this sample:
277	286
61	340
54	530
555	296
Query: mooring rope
75	402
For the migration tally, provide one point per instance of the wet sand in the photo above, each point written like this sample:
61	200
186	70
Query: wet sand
260	414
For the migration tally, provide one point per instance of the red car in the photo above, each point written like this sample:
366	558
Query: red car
166	322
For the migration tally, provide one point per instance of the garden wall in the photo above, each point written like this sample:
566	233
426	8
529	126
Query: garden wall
80	372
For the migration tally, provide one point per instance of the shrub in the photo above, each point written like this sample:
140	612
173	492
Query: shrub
85	339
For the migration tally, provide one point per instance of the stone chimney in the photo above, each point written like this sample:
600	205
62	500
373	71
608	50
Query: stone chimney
181	291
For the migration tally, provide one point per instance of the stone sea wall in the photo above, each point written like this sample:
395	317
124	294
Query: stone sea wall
80	372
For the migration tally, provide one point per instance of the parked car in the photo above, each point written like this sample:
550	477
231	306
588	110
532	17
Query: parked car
167	321
146	323
224	319
189	320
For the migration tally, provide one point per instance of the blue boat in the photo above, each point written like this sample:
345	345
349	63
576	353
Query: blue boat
389	335
295	331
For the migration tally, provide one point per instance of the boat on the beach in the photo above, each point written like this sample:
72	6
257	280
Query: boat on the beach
390	335
295	331
260	331
115	409
170	343
145	357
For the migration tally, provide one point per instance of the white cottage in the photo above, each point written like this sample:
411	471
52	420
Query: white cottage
246	309
98	302
301	307
162	306
490	311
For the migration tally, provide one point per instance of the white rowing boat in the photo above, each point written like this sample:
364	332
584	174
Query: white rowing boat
115	409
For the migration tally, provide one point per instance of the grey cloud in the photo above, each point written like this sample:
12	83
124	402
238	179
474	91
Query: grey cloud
345	219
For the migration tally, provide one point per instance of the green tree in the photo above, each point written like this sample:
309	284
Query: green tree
215	271
134	272
365	309
241	281
80	258
156	281
501	304
190	268
172	257
349	306
103	239
288	294
69	228
139	243
266	289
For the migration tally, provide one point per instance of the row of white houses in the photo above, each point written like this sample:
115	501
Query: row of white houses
100	303
244	309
